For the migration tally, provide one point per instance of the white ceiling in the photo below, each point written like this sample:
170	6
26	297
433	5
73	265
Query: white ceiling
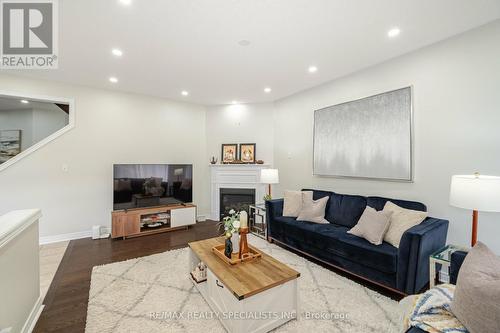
175	45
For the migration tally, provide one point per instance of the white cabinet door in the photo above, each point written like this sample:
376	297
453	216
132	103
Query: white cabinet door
182	216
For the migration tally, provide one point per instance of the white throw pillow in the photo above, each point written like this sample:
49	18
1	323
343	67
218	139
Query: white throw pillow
313	210
293	202
372	225
401	220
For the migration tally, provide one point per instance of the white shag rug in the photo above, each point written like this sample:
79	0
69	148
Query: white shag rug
154	294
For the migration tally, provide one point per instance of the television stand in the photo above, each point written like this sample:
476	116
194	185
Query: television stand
146	221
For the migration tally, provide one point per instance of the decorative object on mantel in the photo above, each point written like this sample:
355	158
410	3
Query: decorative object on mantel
269	176
247	152
229	153
381	146
213	160
259	162
476	192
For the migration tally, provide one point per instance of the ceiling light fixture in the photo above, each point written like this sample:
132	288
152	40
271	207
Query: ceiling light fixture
185	93
126	2
234	102
117	52
24	101
113	79
267	90
393	32
312	69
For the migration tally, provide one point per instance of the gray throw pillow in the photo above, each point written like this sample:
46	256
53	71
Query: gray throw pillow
476	302
313	210
292	204
372	225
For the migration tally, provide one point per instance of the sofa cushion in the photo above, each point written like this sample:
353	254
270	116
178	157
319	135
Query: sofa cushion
476	299
372	225
378	203
335	240
313	210
292	204
402	219
344	209
305	232
383	257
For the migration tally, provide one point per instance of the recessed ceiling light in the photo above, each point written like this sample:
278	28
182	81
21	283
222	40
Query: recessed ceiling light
126	2
244	42
312	69
117	52
184	93
24	101
267	90
393	32
113	79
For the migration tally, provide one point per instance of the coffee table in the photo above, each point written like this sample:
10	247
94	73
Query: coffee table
254	296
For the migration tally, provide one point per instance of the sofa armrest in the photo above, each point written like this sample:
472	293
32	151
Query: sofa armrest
274	208
457	259
416	245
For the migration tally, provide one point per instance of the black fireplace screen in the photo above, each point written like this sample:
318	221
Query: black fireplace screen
235	198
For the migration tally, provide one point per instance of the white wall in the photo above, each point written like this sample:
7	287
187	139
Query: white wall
457	117
246	123
47	121
110	127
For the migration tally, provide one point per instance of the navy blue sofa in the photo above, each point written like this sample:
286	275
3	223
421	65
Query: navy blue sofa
405	270
457	259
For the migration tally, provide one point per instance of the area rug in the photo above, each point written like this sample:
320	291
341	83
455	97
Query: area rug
154	294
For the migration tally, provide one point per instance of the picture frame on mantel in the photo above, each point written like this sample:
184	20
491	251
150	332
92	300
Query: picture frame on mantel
247	153
229	153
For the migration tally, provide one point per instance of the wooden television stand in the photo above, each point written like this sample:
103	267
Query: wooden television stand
133	222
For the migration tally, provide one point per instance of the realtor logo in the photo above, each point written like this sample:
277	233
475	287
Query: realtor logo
29	34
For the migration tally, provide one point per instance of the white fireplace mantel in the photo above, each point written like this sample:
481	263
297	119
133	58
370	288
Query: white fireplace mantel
234	176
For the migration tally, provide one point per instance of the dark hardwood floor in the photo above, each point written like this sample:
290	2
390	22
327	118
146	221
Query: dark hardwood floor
66	300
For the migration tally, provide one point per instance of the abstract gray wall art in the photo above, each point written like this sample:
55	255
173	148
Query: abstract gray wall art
366	138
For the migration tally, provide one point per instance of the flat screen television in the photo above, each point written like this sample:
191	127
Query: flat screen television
149	185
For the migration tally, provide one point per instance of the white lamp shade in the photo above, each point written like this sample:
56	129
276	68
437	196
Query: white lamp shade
269	176
178	172
475	192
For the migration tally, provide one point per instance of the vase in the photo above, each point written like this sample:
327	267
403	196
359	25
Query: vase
228	248
235	239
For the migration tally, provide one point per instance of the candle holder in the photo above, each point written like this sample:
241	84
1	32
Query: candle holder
244	249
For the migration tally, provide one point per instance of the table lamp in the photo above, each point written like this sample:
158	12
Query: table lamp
476	192
269	177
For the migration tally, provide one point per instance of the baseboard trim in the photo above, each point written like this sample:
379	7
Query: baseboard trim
65	237
35	313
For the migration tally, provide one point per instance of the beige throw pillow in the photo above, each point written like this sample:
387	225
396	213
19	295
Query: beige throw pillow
476	301
313	210
293	202
372	225
401	220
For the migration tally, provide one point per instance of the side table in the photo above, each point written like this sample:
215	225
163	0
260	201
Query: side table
257	220
442	257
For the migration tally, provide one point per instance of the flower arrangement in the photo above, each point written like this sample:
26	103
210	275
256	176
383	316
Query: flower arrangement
231	223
